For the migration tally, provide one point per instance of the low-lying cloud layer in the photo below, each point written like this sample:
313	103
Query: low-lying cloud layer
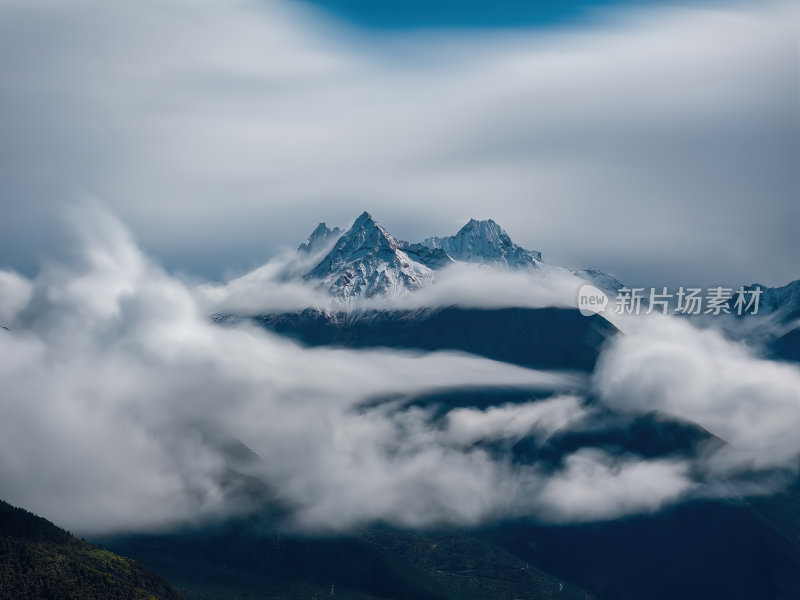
670	366
112	378
121	400
267	289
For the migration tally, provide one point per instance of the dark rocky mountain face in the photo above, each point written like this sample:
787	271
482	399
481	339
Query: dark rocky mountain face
699	550
546	338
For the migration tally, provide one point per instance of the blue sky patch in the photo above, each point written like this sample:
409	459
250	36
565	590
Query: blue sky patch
424	14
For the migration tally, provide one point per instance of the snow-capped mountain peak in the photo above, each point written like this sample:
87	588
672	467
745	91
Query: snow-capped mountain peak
485	242
487	228
320	237
368	261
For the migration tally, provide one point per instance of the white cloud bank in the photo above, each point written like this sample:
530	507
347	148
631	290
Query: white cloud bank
668	365
267	290
115	386
116	390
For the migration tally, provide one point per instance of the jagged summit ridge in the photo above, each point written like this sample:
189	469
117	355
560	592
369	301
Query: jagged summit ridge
319	238
368	261
487	243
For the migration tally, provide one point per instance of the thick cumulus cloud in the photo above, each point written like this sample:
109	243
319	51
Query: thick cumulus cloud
223	130
668	365
121	401
123	408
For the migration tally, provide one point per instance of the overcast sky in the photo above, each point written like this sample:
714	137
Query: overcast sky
660	143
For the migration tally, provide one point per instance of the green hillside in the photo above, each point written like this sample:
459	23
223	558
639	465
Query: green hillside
39	561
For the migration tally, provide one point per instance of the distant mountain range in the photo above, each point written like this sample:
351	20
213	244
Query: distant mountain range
367	261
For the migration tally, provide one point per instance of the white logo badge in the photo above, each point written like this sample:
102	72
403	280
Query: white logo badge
591	300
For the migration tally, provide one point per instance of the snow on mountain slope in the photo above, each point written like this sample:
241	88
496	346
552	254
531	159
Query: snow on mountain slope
485	242
602	280
785	301
433	258
367	261
319	238
478	266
